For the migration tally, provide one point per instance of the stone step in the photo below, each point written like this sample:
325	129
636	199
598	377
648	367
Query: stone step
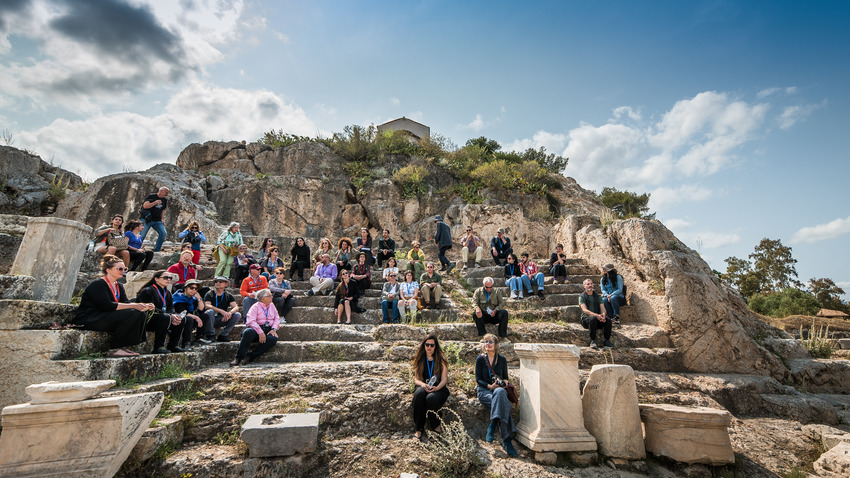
493	271
326	315
365	302
499	280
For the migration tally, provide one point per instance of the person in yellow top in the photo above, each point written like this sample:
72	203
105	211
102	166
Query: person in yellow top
416	260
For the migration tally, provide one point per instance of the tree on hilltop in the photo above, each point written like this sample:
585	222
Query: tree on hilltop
828	294
624	203
775	265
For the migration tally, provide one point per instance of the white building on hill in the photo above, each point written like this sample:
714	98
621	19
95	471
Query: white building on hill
418	131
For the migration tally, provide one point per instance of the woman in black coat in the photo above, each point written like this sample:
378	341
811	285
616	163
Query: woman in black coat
104	307
156	292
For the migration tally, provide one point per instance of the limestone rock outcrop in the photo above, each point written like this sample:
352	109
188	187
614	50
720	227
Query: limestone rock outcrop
25	179
672	287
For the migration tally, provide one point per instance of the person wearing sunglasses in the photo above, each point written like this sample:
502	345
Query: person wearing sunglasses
191	300
471	244
155	291
104	307
282	292
431	375
193	235
389	297
491	373
489	308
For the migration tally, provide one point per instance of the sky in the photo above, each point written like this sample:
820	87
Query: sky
733	115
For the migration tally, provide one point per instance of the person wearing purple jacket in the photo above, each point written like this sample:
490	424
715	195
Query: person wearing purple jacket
323	277
262	322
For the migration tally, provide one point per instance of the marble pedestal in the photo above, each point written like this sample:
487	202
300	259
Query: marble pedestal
71	436
550	401
52	251
281	435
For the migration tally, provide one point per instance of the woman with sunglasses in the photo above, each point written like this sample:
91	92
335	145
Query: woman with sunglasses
271	262
155	291
389	296
193	235
408	298
346	297
104	307
431	375
281	290
491	373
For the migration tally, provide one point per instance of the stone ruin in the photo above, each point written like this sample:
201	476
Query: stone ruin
686	355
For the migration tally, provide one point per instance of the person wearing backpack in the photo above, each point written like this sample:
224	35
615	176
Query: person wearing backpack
592	315
613	292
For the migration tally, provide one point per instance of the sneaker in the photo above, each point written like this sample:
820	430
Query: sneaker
593	344
450	267
176	350
521	296
608	345
465	267
222	338
513	294
309	292
540	294
161	351
616	320
477	265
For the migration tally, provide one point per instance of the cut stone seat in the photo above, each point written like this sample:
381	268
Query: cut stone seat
549	289
574	268
17	314
365	302
499	280
292	332
326	315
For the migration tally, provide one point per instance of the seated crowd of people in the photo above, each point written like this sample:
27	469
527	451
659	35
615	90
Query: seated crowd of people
191	315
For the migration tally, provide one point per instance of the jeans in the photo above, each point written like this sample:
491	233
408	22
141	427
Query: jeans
500	409
250	336
558	270
526	281
160	230
613	306
515	283
385	307
212	320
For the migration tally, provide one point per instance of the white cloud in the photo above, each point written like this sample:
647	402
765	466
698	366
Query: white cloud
663	196
715	240
109	143
676	224
91	53
788	90
477	124
552	142
626	111
395	101
844	285
281	36
822	232
792	114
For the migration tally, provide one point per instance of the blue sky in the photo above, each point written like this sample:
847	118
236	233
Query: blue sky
733	115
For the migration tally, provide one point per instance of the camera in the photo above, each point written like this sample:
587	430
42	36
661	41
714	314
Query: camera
499	382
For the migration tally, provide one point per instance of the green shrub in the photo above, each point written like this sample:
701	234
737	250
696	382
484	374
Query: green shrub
454	454
56	191
788	301
411	180
279	139
819	344
496	175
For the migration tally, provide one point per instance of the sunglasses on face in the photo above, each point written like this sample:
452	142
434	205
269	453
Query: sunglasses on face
489	342
278	273
168	278
429	345
192	287
121	269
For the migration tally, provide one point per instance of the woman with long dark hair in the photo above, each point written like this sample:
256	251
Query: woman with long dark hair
431	376
300	253
364	245
155	291
267	244
104	307
346	296
513	276
613	297
362	275
139	257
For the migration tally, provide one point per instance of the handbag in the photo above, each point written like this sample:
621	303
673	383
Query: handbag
510	389
119	242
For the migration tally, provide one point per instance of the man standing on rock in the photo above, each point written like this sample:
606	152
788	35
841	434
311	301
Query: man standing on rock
443	239
489	308
151	213
500	247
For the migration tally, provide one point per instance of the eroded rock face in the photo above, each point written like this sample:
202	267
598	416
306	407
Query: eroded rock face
672	287
25	179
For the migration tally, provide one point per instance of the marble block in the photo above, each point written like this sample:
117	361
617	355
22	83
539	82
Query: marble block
56	392
611	413
281	435
52	251
550	402
89	438
688	434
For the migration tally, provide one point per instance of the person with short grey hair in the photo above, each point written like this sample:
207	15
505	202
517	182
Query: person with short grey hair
323	277
489	308
261	324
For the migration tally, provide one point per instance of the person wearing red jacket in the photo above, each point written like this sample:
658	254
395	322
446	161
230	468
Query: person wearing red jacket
250	286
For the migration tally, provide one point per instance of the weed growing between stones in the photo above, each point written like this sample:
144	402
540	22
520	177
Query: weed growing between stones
178	397
86	354
226	438
330	353
165	450
168	370
453	451
294	404
657	287
819	344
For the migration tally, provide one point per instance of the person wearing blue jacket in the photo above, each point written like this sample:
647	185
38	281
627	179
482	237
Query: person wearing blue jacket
611	285
193	235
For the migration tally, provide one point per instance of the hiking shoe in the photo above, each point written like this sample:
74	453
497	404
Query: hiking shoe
540	294
204	341
477	265
491	432
593	344
176	350
607	344
310	292
465	267
161	351
450	267
222	338
521	296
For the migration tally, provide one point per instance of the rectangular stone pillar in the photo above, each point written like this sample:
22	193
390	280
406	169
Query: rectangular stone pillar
550	401
51	252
